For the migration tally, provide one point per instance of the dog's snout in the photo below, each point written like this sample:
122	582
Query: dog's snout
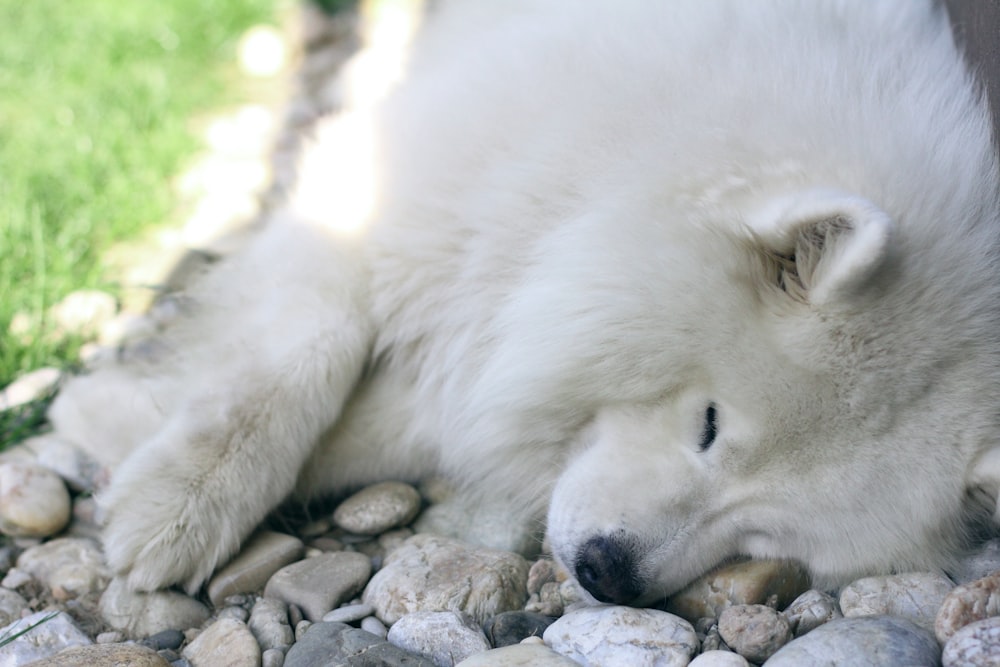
606	567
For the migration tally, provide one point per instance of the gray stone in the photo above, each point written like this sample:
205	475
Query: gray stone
349	613
747	582
321	583
272	657
68	566
144	614
225	643
378	508
336	644
104	655
269	624
266	553
811	610
975	645
164	639
45	639
966	604
755	631
915	596
542	572
518	655
34	501
511	627
717	658
983	561
871	641
432	573
72	464
374	626
12	604
239	613
444	637
623	636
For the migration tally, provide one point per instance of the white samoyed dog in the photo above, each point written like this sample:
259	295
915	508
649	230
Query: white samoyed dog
684	281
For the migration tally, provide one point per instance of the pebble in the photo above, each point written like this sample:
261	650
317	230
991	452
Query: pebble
717	658
811	610
755	631
915	596
543	571
74	566
884	641
623	636
144	614
378	508
374	626
966	604
165	639
29	387
239	613
349	613
338	643
266	553
46	639
34	501
321	583
519	655
512	627
110	637
224	643
549	600
269	624
433	573
747	582
105	655
272	657
12	604
975	645
78	470
444	637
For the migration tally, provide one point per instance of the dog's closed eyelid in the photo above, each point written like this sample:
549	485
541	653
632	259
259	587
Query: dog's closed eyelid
710	427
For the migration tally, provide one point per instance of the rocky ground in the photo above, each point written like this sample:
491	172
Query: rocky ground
363	584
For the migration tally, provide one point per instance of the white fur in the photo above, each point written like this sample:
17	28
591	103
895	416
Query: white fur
586	221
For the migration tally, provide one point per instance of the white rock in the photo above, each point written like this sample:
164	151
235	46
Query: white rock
623	636
975	645
432	573
11	606
811	610
225	643
68	566
72	464
269	624
967	604
47	638
378	508
518	655
884	641
34	501
746	582
444	637
915	596
145	614
719	659
29	387
317	585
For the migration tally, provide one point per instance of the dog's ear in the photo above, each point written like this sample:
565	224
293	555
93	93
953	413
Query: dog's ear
983	479
827	243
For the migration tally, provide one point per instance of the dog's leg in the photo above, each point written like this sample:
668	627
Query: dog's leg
269	376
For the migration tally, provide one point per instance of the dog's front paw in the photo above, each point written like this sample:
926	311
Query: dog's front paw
160	533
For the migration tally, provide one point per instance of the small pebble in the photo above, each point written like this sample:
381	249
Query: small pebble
884	641
237	613
319	584
378	508
444	637
975	645
256	563
748	582
75	565
374	626
519	655
754	631
966	604
719	659
269	624
512	627
623	636
915	596
12	605
144	614
300	629
47	638
272	657
339	643
224	643
34	501
349	613
811	610
112	637
164	639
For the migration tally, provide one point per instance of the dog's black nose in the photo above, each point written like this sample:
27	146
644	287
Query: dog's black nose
605	566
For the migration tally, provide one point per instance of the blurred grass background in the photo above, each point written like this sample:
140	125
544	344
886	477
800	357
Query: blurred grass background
96	108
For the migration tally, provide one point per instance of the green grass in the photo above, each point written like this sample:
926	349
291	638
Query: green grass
96	106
